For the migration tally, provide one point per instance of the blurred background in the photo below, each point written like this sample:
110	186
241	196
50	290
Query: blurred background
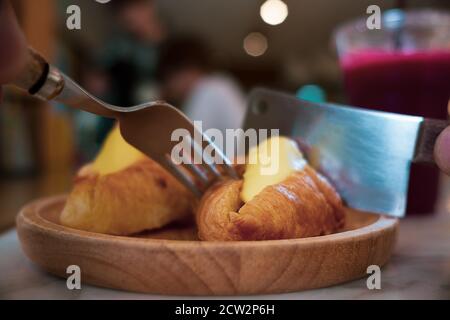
193	53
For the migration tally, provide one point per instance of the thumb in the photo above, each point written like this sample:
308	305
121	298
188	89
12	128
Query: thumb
442	151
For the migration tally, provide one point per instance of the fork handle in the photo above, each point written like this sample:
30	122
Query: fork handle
39	78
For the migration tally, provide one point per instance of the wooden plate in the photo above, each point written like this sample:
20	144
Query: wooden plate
171	261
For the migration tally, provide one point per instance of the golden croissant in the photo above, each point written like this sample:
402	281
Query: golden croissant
303	204
124	192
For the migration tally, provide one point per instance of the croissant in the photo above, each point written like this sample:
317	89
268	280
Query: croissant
302	205
124	192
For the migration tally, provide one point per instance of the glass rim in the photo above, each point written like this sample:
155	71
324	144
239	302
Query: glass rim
425	17
410	15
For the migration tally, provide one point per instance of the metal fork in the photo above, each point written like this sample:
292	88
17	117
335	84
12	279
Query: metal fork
148	127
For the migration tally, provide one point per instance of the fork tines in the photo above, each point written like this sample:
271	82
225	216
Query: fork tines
199	169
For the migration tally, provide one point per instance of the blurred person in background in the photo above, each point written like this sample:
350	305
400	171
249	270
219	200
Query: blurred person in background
203	95
130	57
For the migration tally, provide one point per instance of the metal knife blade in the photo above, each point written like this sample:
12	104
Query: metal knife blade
366	154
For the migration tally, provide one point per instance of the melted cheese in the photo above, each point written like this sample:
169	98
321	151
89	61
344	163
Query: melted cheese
269	163
115	155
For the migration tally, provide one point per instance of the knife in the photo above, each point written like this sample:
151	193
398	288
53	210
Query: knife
366	154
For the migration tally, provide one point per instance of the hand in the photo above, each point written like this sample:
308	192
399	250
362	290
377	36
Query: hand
442	149
12	44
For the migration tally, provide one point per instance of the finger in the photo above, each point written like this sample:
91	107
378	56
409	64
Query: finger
12	44
442	151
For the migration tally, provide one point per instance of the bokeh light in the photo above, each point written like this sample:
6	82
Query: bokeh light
274	12
255	44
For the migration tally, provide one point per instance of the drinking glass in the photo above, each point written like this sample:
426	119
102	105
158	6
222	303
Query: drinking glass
404	67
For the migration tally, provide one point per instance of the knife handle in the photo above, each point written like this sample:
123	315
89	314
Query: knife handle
428	133
39	78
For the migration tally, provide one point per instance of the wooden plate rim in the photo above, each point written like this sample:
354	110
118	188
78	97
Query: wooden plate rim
29	215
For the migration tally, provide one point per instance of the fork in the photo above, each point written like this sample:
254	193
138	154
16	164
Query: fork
149	126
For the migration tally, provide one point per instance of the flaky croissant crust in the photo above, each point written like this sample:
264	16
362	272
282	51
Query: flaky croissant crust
303	205
140	197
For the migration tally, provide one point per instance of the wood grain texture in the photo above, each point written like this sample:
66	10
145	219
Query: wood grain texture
172	261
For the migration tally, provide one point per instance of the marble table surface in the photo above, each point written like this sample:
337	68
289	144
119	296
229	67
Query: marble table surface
419	269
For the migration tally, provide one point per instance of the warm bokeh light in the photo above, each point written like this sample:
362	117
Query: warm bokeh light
274	12
255	44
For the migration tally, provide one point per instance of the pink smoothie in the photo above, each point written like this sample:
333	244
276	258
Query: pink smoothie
415	83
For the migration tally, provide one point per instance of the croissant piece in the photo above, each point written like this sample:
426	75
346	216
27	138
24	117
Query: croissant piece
302	205
124	192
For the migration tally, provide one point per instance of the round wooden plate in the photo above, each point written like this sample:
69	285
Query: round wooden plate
171	260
